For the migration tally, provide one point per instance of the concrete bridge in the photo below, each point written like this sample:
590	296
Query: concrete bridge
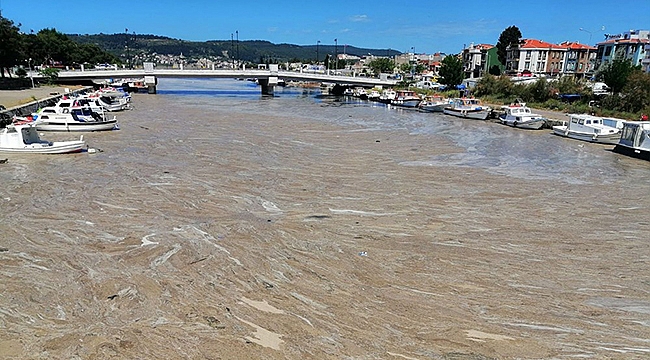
267	78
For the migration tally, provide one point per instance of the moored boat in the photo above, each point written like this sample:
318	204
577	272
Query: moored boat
52	121
469	108
387	95
635	140
435	103
406	98
521	116
591	128
24	138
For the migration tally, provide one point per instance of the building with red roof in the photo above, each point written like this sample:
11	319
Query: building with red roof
579	60
541	58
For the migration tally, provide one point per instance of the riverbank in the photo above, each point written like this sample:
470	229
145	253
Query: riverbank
13	98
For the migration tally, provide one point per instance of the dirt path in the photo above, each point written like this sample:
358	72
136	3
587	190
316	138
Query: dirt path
12	98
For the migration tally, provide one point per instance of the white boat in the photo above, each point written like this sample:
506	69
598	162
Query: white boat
434	103
326	88
522	117
591	128
52	121
374	95
387	95
108	101
469	108
85	109
635	140
406	98
360	92
24	138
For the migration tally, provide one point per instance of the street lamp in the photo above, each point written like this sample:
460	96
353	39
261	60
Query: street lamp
31	76
336	55
237	34
587	31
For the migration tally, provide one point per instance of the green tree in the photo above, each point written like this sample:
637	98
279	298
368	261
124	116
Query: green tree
406	68
494	70
382	65
616	72
510	36
51	74
635	95
10	45
451	71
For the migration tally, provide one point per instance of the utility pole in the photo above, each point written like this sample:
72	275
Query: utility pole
232	49
237	33
336	55
317	55
126	45
134	54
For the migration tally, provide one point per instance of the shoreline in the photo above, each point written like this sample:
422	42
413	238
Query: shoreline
12	99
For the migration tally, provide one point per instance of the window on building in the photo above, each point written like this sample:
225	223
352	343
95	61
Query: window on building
528	55
608	51
527	65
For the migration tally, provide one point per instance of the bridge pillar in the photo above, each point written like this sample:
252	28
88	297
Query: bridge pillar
267	87
269	83
151	82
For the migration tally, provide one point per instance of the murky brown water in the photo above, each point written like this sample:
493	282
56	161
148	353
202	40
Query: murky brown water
286	228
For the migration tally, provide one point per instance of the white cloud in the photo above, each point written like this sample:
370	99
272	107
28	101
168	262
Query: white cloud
359	18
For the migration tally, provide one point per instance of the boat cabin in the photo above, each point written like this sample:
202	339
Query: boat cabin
595	125
18	136
636	135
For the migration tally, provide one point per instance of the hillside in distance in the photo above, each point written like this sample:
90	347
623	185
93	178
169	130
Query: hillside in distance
247	50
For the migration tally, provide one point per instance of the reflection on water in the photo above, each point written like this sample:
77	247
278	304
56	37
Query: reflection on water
491	146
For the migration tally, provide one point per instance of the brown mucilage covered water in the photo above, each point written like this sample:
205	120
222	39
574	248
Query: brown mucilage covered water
225	227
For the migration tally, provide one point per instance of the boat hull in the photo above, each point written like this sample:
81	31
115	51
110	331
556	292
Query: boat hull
77	126
61	147
611	139
530	125
406	103
468	114
433	107
642	154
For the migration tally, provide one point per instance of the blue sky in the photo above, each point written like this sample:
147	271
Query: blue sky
425	26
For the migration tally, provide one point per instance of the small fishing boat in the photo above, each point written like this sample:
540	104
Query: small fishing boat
73	119
635	140
435	103
22	137
406	98
469	108
521	116
591	128
387	95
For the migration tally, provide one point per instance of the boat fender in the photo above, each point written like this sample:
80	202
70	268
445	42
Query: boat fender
514	123
566	132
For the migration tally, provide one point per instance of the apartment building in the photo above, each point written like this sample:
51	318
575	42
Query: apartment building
477	60
630	45
535	57
579	59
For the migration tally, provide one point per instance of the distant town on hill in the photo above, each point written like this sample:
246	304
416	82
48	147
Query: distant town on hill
244	50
